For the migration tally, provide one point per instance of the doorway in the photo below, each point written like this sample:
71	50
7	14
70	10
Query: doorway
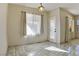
69	29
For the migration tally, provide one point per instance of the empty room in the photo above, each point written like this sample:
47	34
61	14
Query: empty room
39	29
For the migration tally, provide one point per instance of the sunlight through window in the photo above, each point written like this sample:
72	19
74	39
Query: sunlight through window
33	24
52	48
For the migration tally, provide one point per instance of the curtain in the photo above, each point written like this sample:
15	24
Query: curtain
42	26
23	23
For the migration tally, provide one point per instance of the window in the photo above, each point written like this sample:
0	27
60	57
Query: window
77	25
73	25
77	22
33	24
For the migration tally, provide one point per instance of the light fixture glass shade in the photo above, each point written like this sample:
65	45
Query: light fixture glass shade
41	8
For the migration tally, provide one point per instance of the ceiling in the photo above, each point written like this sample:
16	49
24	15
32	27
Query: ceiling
71	7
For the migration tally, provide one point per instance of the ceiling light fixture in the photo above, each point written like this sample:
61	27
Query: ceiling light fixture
41	7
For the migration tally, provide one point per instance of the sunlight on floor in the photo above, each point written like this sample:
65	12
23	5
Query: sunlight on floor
52	48
31	54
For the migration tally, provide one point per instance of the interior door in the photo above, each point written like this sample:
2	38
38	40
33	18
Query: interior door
52	25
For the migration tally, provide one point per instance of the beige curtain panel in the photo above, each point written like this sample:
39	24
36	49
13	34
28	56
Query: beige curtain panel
23	23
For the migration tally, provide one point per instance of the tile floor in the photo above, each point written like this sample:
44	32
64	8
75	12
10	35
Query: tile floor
46	49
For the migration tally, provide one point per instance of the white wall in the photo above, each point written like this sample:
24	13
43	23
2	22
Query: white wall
3	28
14	25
